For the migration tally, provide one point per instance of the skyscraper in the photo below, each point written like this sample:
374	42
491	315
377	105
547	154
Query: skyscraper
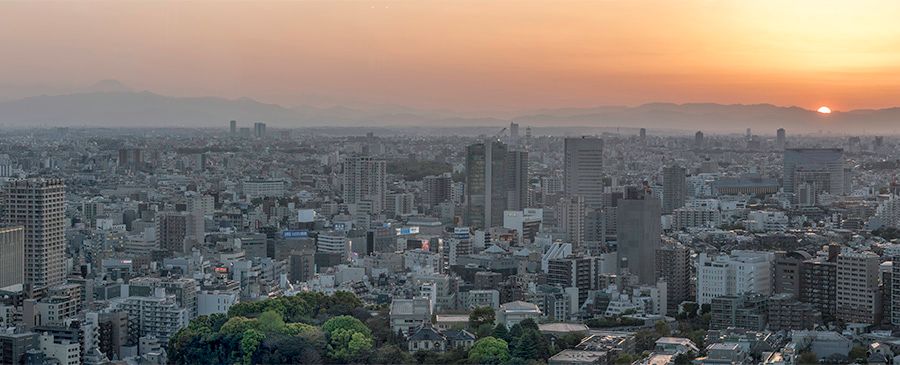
583	169
364	181
232	127
780	139
513	134
517	180
699	142
436	189
172	229
496	180
259	129
637	232
12	256
674	188
820	169
642	135
38	205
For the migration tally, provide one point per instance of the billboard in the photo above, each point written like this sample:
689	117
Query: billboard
295	234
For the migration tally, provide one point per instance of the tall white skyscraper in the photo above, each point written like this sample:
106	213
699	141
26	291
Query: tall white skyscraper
38	205
584	169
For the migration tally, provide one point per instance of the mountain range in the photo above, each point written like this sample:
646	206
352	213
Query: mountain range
112	104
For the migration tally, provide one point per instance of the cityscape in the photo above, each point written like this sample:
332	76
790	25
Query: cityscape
455	222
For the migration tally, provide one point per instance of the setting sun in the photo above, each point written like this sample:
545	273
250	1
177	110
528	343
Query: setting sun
824	110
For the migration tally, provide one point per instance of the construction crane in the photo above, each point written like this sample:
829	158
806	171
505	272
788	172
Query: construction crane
497	136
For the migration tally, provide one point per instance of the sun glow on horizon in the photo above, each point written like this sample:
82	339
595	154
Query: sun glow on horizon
824	110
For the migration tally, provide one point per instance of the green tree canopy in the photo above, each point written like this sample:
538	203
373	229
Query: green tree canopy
490	351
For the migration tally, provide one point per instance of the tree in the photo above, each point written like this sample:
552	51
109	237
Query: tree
348	338
490	351
662	329
271	322
857	352
807	358
250	342
391	354
481	316
501	332
531	345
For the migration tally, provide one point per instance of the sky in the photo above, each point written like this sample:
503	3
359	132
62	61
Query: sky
463	55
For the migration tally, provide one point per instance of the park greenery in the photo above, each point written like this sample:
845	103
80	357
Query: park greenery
314	328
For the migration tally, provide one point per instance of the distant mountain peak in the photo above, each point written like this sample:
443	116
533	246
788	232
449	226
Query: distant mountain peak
108	86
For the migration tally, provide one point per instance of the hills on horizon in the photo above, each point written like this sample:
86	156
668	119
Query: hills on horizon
110	103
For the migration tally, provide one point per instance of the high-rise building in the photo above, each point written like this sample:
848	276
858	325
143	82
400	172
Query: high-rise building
517	180
172	231
574	272
232	127
131	158
673	264
858	295
637	234
259	129
38	205
780	139
788	273
513	134
571	212
894	289
12	256
642	135
699	141
674	188
364	181
818	286
496	180
436	189
820	169
583	169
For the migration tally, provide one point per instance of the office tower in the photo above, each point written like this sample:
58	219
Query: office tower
232	127
38	205
858	296
878	142
436	189
642	135
747	311
741	272
12	256
517	180
699	143
637	233
259	129
364	182
496	180
780	140
673	264
749	134
820	169
513	134
583	169
571	212
674	188
172	231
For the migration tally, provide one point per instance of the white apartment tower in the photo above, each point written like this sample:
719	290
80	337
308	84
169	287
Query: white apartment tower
38	205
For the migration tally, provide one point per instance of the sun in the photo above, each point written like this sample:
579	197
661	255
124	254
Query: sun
824	110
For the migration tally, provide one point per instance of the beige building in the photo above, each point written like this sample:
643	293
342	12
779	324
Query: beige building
38	205
858	297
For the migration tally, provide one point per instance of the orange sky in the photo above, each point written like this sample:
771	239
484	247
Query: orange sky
465	55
